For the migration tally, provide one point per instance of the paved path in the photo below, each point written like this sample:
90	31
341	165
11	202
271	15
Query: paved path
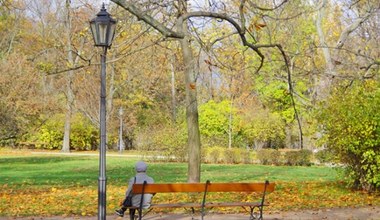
362	213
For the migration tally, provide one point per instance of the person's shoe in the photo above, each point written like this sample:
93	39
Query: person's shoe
119	212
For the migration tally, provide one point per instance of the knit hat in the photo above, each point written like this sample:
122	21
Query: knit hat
141	166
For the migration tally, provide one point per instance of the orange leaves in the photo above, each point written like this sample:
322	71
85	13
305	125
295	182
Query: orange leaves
53	201
259	26
311	195
82	201
256	25
192	86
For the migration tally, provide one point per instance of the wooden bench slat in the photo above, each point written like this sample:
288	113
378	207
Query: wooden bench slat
177	205
232	204
207	205
200	187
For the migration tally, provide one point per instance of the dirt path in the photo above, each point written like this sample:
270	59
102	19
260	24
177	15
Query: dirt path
362	213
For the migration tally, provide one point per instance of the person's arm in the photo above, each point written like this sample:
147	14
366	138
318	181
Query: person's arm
130	183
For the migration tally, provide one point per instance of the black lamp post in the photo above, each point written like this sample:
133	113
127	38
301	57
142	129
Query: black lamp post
103	31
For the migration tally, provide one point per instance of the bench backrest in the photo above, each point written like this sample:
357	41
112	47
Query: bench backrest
201	187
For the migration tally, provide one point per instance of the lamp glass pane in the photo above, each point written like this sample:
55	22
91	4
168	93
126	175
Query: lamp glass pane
94	32
102	33
111	34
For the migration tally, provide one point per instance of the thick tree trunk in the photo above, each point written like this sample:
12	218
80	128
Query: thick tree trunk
322	87
69	110
111	89
174	104
194	142
69	79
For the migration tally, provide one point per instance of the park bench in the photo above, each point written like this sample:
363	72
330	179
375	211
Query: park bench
205	188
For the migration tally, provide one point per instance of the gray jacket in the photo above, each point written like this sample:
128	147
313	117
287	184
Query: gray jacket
140	178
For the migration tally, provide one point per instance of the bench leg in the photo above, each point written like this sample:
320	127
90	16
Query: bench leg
254	216
132	213
261	213
192	213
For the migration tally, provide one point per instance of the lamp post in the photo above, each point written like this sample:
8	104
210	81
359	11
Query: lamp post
103	32
121	142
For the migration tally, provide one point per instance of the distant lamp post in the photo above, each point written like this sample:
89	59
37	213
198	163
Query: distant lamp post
103	31
121	142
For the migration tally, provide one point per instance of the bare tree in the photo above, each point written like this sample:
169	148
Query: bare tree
176	25
332	51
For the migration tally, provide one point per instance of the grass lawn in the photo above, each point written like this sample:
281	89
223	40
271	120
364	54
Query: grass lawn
45	185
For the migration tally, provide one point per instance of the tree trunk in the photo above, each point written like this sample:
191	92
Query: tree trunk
230	118
69	79
322	88
174	114
288	137
211	89
69	110
111	89
121	141
194	143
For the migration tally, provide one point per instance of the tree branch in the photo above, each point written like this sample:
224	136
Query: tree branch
148	19
352	28
252	4
225	17
67	70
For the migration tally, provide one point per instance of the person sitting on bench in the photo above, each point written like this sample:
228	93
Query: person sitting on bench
140	177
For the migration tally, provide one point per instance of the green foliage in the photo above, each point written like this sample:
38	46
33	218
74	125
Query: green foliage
276	95
352	132
213	154
50	136
84	136
298	158
269	156
214	118
45	67
265	127
324	156
168	141
233	155
225	155
288	157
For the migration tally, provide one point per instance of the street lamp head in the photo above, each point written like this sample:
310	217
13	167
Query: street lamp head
103	28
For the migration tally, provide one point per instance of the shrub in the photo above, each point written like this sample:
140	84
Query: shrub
305	157
247	156
84	136
224	155
232	155
290	158
168	141
264	127
50	134
298	158
214	122
214	155
351	122
49	138
269	157
324	156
